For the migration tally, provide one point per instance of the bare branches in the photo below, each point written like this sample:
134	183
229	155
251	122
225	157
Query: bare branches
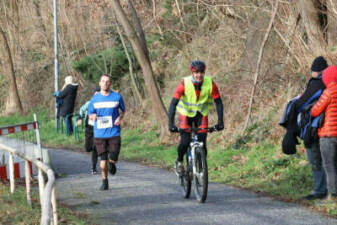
155	17
132	76
145	63
258	64
179	12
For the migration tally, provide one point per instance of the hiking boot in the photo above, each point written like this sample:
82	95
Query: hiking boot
179	168
112	168
105	185
311	197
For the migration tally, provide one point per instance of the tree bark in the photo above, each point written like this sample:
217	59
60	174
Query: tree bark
258	63
133	81
14	103
332	23
157	103
311	22
139	29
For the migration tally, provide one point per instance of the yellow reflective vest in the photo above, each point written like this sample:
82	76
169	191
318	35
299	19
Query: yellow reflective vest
189	105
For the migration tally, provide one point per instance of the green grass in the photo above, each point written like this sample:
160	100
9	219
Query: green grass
260	167
146	147
15	210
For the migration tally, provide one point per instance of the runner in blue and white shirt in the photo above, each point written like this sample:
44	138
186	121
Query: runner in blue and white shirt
107	109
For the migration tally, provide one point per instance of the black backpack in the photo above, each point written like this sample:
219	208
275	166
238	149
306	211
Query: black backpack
308	125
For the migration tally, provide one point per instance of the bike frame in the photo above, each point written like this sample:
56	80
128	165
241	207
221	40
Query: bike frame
193	145
193	172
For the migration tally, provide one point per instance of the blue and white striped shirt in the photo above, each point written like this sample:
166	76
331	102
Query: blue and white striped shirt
107	110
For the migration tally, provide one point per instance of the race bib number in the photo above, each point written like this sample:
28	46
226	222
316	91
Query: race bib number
104	122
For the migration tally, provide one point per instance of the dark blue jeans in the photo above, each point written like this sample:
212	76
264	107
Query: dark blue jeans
69	125
315	160
329	155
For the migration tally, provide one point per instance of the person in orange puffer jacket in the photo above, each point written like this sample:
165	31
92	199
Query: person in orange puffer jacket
327	103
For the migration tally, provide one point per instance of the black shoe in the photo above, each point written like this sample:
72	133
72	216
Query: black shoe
179	168
112	168
314	196
93	171
105	185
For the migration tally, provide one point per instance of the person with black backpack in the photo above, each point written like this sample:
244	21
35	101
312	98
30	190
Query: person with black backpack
311	94
89	133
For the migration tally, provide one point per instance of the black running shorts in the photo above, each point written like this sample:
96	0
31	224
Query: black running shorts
108	145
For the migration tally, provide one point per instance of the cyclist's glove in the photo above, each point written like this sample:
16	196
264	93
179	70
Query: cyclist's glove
219	126
173	128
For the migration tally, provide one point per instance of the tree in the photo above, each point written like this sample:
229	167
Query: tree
332	22
258	64
312	25
135	89
13	103
140	51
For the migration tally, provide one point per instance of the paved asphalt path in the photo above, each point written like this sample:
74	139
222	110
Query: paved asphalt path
144	195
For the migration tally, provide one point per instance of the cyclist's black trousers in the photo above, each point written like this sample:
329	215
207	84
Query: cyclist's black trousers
185	139
94	158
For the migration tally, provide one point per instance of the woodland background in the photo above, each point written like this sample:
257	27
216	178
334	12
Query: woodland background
259	59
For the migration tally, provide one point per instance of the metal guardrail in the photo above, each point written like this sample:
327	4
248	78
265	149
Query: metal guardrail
47	194
46	190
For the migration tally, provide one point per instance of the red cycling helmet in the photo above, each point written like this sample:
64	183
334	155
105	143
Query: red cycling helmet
198	66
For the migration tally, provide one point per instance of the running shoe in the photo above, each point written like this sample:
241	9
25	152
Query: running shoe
105	185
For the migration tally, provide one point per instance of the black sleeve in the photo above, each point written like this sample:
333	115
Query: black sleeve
64	92
311	89
219	109
172	110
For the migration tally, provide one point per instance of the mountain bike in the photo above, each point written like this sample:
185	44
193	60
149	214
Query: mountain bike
195	167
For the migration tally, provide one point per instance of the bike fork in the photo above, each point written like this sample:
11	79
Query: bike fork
193	160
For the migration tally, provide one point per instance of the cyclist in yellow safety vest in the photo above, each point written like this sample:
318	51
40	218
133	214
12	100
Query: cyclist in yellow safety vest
193	98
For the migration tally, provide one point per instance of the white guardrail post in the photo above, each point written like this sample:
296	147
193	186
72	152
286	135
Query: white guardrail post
47	191
27	178
11	172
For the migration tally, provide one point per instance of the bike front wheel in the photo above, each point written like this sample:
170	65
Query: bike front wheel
200	177
185	179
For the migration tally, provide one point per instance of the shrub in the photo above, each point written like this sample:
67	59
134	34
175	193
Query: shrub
112	61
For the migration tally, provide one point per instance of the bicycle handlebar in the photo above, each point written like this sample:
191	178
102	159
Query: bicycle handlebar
209	129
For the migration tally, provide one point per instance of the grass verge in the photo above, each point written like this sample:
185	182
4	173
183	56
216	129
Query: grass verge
15	210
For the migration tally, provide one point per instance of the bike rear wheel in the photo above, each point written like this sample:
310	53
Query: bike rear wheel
185	179
200	178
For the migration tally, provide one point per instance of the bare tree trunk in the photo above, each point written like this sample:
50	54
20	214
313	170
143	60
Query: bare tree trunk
312	26
14	103
258	63
332	22
139	29
133	81
157	103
